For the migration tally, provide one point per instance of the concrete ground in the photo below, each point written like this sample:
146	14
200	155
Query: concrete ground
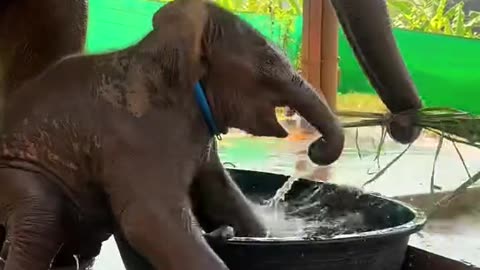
455	234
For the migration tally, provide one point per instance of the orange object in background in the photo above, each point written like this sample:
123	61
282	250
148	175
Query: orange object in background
299	135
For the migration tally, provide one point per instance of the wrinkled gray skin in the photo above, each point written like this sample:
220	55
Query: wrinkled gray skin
367	26
154	89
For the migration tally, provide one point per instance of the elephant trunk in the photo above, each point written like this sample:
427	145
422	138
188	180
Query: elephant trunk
313	107
367	25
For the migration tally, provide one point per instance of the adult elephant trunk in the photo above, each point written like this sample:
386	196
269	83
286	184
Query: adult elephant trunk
314	108
367	26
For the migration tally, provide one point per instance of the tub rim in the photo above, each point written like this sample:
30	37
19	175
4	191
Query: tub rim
413	226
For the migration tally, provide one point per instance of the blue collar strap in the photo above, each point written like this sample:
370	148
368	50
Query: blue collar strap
206	111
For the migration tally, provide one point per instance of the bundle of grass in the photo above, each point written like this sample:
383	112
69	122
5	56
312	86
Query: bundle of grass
450	124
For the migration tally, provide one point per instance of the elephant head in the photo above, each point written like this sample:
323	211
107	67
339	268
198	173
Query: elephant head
244	76
367	25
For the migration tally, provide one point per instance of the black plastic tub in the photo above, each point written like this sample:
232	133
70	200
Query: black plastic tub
380	244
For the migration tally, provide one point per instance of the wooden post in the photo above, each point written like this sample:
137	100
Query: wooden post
329	60
312	45
320	47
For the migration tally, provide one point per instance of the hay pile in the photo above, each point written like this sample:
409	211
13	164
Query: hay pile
450	124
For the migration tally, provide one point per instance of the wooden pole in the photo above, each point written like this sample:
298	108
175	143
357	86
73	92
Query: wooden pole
312	44
320	48
329	54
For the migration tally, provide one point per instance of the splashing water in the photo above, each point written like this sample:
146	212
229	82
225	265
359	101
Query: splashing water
278	223
279	197
282	191
306	217
282	224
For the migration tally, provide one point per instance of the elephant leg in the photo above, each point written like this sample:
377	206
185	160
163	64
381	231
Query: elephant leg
30	211
150	205
218	202
86	266
162	233
2	241
130	257
132	260
82	252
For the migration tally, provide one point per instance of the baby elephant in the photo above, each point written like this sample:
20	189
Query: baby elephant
124	142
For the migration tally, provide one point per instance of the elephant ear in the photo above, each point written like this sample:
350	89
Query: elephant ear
176	40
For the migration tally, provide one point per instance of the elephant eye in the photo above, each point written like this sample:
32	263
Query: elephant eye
273	66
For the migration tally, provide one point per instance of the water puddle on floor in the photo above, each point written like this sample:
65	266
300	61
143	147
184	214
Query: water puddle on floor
458	239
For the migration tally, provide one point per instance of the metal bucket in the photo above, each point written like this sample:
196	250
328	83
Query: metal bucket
381	245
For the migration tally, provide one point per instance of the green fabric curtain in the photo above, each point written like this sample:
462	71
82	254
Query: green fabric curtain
446	69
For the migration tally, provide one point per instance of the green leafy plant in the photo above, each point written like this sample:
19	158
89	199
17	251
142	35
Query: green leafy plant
433	16
261	7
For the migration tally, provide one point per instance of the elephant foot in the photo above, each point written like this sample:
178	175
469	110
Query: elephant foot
86	265
222	233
